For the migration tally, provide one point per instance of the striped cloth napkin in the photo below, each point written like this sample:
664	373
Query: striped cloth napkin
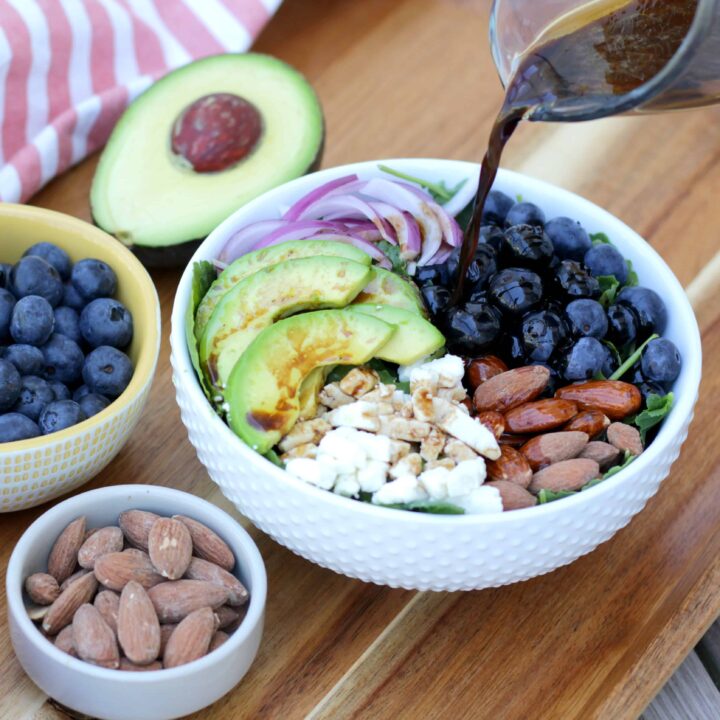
68	68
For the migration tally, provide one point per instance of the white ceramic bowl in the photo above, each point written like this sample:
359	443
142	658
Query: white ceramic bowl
414	550
113	694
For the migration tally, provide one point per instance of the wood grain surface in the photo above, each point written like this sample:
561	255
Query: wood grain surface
596	639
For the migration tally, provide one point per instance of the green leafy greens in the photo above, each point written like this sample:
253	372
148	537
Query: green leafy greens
627	459
546	496
435	507
609	287
632	359
656	409
600	238
393	255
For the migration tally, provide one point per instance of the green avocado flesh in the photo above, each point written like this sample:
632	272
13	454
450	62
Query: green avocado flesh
148	197
414	337
248	264
263	391
309	390
387	288
203	276
273	292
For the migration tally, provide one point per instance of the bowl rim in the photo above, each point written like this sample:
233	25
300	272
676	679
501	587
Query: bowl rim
253	564
683	407
148	354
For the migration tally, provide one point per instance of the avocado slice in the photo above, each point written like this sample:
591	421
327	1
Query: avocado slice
414	337
309	390
197	145
273	292
252	262
387	288
263	391
202	279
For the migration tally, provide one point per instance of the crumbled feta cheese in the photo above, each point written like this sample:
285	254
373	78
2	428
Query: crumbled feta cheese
311	471
332	396
435	482
484	499
376	447
454	422
359	381
399	428
458	450
466	477
446	372
347	485
432	445
309	431
403	490
372	477
345	449
360	414
409	465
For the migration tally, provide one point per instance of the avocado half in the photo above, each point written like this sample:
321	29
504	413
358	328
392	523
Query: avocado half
197	145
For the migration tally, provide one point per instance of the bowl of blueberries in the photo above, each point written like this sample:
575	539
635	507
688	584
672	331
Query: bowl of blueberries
79	342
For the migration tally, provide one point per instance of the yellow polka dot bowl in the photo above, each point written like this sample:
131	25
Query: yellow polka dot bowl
40	469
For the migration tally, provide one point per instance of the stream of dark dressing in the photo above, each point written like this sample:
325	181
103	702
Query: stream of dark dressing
585	60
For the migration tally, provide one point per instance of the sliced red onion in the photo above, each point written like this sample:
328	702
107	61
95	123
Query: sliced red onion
296	230
462	197
242	240
408	234
297	210
440	256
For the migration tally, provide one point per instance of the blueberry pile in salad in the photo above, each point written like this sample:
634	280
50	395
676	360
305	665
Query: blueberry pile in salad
62	342
328	340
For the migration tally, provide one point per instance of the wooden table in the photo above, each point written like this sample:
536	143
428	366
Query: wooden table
596	639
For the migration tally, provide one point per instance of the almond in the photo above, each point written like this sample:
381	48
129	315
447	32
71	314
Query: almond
93	639
136	525
226	616
591	422
42	588
115	570
512	388
64	641
175	599
220	637
200	569
165	632
207	544
550	448
170	547
37	612
493	421
104	541
615	398
63	556
515	441
62	610
107	603
604	454
512	466
138	626
482	369
513	496
75	576
128	666
565	475
625	438
540	415
191	638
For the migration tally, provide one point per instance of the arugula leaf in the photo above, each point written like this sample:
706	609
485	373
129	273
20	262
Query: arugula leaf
600	238
632	359
627	459
519	197
632	278
546	496
204	275
387	376
274	458
393	255
656	408
435	507
338	373
465	215
592	483
609	286
439	190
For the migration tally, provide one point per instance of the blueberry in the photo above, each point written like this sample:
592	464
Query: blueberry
10	384
35	394
54	255
33	276
496	207
26	358
491	235
568	237
483	265
14	426
584	359
7	303
60	391
80	393
587	317
515	290
649	309
72	298
67	323
574	282
93	403
542	333
611	362
32	320
5	271
437	299
432	275
661	361
622	325
606	260
526	246
63	360
93	279
472	328
525	213
512	349
59	415
649	388
107	371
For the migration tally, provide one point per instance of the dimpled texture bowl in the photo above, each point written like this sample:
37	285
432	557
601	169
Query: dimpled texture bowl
40	469
113	694
413	550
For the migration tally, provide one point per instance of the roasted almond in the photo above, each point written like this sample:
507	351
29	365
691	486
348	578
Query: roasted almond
513	496
565	475
614	398
136	525
42	588
166	631
493	421
207	544
93	639
515	441
200	569
625	438
550	448
512	388
481	369
226	616
170	547
75	576
115	570
591	422
512	466
539	416
604	454
62	610
191	638
220	637
37	612
175	599
105	540
108	604
63	556
138	627
128	666
64	641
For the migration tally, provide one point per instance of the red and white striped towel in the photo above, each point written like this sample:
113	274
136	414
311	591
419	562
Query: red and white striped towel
68	68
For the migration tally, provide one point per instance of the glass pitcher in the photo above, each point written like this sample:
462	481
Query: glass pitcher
690	79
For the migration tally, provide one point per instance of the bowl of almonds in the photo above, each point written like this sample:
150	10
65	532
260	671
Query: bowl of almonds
135	603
